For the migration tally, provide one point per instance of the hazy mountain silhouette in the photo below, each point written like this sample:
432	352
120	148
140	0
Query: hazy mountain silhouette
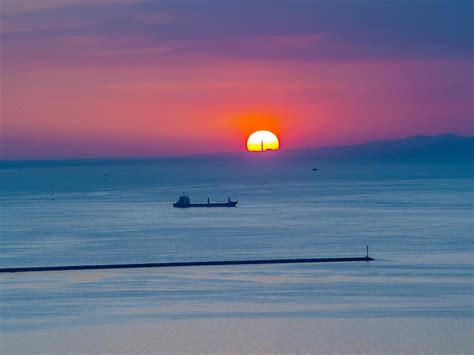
439	147
445	146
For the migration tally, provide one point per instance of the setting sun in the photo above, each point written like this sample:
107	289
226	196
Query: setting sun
261	141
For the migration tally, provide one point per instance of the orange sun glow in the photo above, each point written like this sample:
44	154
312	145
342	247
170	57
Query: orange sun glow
261	141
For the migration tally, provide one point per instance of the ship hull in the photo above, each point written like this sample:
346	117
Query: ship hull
188	205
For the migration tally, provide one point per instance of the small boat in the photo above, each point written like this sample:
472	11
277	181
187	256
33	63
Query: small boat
315	169
185	202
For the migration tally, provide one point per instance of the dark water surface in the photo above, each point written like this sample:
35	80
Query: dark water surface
416	217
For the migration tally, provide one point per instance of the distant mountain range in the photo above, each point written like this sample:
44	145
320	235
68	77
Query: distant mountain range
450	147
445	146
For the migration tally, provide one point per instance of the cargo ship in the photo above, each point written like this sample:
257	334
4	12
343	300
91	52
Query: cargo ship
185	202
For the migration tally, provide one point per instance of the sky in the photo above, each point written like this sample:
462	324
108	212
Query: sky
110	78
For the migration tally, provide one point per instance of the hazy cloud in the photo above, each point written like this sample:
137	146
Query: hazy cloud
16	7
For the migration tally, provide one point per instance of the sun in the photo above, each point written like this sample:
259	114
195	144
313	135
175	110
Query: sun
261	141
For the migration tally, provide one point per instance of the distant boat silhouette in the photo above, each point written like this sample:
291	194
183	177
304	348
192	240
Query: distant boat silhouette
315	169
185	202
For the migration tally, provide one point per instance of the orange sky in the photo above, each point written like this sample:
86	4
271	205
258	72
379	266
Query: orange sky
92	93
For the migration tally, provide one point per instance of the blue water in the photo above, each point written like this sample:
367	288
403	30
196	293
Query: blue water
417	218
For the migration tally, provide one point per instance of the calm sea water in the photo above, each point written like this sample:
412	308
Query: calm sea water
417	218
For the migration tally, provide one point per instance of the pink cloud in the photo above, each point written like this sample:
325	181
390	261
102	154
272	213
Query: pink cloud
196	104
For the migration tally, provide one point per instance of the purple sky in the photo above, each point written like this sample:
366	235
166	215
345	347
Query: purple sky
94	78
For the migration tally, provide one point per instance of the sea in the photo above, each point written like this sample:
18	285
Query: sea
416	217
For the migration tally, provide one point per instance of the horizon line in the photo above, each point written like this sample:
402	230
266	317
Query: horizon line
215	154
